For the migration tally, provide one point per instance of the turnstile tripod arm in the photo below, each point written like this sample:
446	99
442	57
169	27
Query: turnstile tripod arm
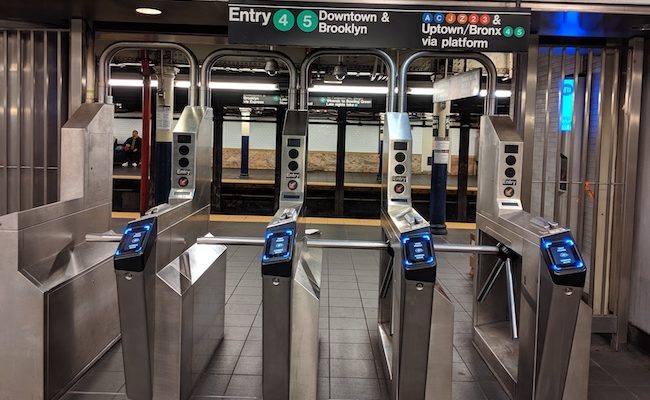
104	237
492	278
510	287
231	240
379	245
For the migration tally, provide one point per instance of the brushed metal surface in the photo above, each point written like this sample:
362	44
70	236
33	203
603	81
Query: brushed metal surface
189	319
276	338
58	293
305	307
536	366
441	357
136	326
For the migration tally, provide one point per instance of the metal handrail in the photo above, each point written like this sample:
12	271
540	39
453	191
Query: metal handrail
491	104
349	244
212	58
110	52
382	55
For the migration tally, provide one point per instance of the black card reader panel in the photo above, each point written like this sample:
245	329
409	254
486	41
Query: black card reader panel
278	250
563	260
136	244
418	257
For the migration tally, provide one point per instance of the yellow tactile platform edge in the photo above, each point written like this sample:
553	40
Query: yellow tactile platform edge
309	220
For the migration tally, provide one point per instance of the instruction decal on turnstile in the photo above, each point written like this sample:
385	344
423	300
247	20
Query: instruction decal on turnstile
320	24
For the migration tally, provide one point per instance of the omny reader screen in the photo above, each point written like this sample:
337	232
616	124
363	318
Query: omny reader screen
279	245
417	251
563	256
133	239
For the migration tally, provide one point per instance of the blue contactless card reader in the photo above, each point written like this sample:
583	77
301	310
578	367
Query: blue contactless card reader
278	246
563	260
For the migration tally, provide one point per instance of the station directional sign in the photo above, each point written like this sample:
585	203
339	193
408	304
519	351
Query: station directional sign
319	24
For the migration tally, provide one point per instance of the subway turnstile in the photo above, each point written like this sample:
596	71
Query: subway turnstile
415	316
171	291
291	277
530	323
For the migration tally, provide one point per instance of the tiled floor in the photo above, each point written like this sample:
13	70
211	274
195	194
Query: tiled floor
349	364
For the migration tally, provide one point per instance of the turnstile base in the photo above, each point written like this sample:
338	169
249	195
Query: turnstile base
500	353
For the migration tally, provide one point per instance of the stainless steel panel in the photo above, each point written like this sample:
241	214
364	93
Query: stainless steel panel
14	105
305	307
577	381
440	367
276	341
414	341
189	319
4	111
28	98
133	289
27	128
624	200
93	322
22	333
61	309
396	129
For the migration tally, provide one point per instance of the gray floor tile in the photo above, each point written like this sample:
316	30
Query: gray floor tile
351	351
211	385
252	348
351	388
248	366
347	323
222	365
230	348
610	392
245	385
352	368
349	336
346	312
100	382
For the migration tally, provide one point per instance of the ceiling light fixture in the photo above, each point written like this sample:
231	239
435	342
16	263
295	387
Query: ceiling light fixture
148	11
349	89
222	85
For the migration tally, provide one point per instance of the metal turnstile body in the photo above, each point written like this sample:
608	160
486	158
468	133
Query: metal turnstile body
415	316
530	326
171	296
57	291
291	277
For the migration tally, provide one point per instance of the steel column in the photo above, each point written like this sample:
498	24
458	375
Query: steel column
339	194
146	135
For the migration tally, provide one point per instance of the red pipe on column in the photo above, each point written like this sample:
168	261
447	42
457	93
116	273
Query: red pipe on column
146	134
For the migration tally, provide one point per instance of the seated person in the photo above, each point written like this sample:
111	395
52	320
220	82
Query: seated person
132	148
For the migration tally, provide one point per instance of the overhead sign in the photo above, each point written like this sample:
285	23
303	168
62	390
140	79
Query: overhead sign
264	100
318	24
461	86
317	101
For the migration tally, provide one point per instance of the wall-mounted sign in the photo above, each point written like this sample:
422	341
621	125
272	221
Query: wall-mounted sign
318	24
314	101
461	86
264	99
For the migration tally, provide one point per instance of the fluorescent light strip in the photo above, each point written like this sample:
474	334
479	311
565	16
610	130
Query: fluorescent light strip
241	86
262	87
272	87
349	89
